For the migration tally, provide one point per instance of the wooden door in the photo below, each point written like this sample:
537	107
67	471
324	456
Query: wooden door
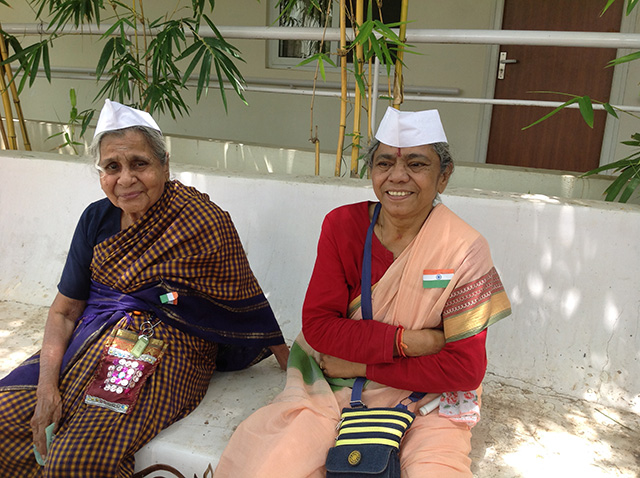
564	141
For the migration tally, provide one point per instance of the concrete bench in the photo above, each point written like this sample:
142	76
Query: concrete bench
564	374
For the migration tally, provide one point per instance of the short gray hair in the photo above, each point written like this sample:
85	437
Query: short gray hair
442	150
154	138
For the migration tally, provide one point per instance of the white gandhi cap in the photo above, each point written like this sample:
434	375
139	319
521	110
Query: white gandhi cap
404	129
117	116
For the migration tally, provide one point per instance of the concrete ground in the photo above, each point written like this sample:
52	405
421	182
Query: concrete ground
522	433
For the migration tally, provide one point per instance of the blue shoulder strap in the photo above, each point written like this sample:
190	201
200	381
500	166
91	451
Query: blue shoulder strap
365	283
367	311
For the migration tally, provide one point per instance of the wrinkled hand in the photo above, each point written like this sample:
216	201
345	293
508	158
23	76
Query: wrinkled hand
48	410
335	367
281	352
423	342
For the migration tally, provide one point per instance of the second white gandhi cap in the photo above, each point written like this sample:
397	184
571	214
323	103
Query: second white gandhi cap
404	129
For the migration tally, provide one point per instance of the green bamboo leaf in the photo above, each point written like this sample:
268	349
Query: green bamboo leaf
33	66
190	49
630	189
363	33
606	7
111	29
321	69
105	56
309	59
203	78
45	61
86	121
222	92
586	110
192	65
616	165
377	48
549	115
624	59
360	81
614	189
609	109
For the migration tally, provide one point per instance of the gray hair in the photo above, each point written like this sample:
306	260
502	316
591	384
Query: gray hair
154	138
442	150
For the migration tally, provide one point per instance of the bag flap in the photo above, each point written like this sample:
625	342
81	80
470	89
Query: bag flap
359	458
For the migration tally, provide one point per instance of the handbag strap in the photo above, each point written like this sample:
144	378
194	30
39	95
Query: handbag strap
367	313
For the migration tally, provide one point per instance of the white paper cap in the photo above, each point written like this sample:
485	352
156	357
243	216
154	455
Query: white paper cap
404	129
117	116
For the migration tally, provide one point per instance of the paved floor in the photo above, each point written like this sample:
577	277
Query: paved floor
522	434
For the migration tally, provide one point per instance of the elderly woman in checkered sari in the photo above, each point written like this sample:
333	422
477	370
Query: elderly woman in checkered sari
155	295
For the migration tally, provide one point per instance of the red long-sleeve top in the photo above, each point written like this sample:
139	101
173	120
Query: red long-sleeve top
335	282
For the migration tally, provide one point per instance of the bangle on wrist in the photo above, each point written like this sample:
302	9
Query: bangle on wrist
401	346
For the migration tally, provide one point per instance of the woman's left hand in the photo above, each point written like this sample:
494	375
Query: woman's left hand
335	367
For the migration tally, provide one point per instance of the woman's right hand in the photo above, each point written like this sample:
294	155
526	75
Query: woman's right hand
48	410
422	342
63	313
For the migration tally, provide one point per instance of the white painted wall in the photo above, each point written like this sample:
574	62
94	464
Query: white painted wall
569	267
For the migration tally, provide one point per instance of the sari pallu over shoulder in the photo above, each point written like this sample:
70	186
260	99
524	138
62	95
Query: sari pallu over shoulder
186	244
446	278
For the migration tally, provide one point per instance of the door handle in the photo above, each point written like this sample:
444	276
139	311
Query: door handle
502	64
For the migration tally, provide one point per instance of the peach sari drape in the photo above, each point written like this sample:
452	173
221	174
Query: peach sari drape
291	436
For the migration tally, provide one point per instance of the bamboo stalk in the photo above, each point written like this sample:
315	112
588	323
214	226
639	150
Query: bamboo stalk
3	133
370	102
12	141
342	51
14	93
314	138
317	144
398	85
357	106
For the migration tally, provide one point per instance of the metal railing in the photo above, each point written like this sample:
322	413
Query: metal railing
427	93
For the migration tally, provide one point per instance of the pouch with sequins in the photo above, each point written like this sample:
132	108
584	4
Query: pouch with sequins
121	375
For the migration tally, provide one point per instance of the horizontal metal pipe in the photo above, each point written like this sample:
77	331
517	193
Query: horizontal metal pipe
448	36
87	73
265	88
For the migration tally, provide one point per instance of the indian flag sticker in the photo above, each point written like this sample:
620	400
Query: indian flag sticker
436	278
169	298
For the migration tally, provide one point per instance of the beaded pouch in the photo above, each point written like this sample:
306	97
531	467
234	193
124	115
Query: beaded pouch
121	373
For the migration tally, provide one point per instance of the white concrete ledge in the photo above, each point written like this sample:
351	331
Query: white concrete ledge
570	268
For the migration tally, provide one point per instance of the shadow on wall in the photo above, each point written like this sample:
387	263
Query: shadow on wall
568	269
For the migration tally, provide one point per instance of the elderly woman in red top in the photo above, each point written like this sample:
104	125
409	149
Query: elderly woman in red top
155	295
435	292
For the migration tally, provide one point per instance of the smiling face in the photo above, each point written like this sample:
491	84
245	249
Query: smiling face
406	180
131	176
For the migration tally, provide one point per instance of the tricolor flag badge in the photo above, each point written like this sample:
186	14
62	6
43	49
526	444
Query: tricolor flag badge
436	278
169	298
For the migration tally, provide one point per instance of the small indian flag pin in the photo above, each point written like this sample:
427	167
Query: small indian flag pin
436	278
169	298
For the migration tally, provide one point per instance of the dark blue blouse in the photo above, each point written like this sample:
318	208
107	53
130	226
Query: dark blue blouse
99	221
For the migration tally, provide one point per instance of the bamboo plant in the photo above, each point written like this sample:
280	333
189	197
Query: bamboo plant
143	60
371	38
